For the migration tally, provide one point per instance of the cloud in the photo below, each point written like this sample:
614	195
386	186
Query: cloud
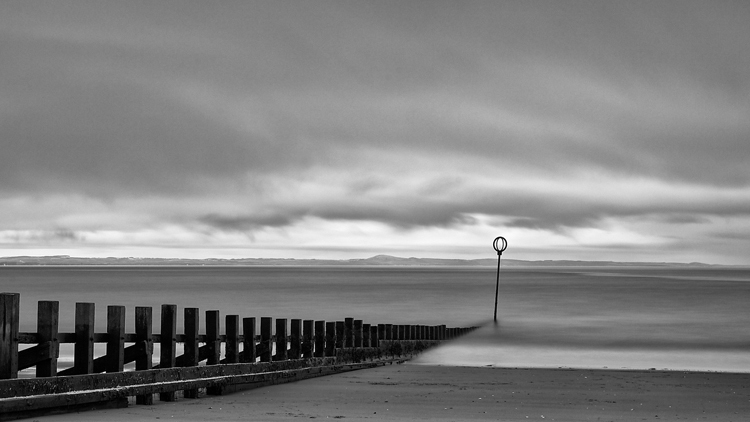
118	120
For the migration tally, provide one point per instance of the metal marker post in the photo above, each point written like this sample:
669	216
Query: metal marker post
499	249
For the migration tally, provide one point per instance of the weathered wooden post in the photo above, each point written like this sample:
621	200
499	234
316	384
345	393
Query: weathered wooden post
374	336
381	333
330	338
233	338
213	339
308	333
266	329
366	335
143	334
167	357
389	331
213	345
191	353
281	339
348	332
320	339
48	314
9	326
115	338
340	334
357	329
83	352
295	339
248	341
401	332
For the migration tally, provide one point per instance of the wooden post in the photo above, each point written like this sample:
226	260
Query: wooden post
167	357
401	332
115	338
213	341
191	354
233	338
281	339
357	333
320	339
213	345
308	333
381	333
143	335
83	354
374	336
48	314
9	326
388	331
330	338
295	339
340	334
348	332
248	342
266	327
366	335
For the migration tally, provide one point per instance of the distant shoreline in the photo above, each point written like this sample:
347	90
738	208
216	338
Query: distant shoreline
378	260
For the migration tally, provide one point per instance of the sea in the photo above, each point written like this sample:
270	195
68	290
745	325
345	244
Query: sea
687	318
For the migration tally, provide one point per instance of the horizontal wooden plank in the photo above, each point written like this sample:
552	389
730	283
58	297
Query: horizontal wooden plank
265	375
33	338
34	386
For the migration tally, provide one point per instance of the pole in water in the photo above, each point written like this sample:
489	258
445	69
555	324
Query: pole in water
499	244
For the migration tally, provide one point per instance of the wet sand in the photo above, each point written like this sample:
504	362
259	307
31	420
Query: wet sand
412	392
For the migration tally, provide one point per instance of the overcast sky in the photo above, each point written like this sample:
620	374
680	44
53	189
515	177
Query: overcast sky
602	130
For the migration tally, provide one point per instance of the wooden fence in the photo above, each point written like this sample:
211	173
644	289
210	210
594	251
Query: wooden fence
297	349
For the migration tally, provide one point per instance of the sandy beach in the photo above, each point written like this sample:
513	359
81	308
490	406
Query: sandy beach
411	392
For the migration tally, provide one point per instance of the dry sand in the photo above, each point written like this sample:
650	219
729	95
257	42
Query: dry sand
411	392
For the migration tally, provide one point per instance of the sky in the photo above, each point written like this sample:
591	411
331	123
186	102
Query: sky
584	130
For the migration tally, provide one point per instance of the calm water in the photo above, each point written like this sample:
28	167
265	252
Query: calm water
570	317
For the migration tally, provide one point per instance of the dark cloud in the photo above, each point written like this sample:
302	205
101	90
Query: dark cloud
244	223
388	112
55	236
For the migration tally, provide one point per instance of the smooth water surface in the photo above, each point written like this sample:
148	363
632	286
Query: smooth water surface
594	317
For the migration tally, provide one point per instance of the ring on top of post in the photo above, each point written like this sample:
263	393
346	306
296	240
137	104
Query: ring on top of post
501	248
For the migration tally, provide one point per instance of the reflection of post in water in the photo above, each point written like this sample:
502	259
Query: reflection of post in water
499	248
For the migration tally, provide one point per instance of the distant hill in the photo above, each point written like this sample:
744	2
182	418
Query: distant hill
378	260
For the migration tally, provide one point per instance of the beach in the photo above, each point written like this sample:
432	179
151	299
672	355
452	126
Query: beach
618	323
410	392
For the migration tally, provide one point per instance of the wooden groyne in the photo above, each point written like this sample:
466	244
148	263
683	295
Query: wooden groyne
282	350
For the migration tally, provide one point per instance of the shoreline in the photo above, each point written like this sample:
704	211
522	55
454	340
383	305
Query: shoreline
431	392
